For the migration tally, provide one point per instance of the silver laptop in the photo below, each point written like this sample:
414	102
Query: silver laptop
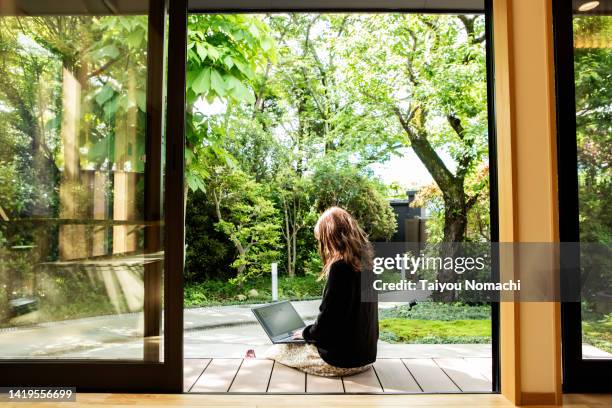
279	320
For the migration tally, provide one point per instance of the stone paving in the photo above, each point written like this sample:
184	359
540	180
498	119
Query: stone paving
210	332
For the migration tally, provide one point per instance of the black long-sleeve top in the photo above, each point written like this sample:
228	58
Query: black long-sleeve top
346	329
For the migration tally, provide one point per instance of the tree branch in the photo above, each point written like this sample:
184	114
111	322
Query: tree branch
466	159
426	153
468	23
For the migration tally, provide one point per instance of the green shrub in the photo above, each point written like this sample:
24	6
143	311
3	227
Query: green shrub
219	292
209	252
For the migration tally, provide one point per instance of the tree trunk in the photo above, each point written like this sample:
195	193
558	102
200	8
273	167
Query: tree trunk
294	256
455	224
288	240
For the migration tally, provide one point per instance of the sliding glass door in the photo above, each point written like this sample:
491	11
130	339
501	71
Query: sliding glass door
584	86
84	276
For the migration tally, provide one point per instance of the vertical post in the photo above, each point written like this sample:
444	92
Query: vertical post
153	205
528	198
274	281
175	191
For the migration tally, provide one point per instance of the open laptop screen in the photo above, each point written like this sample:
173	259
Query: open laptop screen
279	318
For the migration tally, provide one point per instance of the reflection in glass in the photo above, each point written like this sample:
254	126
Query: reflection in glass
72	187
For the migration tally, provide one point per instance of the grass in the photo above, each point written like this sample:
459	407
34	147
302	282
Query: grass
218	292
435	331
436	323
438	311
598	332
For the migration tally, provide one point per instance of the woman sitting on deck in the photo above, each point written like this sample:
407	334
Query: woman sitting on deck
342	341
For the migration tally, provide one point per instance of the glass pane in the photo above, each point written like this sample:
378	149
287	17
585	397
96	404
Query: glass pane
593	72
77	249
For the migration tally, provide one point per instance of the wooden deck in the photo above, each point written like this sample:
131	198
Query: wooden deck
388	376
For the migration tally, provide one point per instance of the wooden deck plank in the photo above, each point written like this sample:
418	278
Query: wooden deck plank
218	376
394	376
253	376
315	383
192	368
362	382
388	375
466	376
286	379
429	376
483	364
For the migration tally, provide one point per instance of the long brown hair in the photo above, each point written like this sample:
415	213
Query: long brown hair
341	238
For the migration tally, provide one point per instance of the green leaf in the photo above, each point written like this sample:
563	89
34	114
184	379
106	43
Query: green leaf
201	50
217	83
212	52
238	35
254	30
107	51
191	76
243	93
188	155
195	182
134	38
245	69
110	108
192	182
228	61
231	81
105	94
201	84
239	91
267	43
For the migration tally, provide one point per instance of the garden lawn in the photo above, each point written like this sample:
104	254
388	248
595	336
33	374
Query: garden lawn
436	323
598	333
435	331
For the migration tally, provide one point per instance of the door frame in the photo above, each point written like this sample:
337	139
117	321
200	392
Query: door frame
286	6
579	375
143	375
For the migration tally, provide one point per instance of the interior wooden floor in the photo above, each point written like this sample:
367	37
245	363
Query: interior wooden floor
304	401
388	375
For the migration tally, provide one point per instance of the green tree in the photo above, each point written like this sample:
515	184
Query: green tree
295	197
593	76
246	216
593	73
359	194
429	73
224	54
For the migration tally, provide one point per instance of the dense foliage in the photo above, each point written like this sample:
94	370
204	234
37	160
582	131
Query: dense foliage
593	76
323	97
593	72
